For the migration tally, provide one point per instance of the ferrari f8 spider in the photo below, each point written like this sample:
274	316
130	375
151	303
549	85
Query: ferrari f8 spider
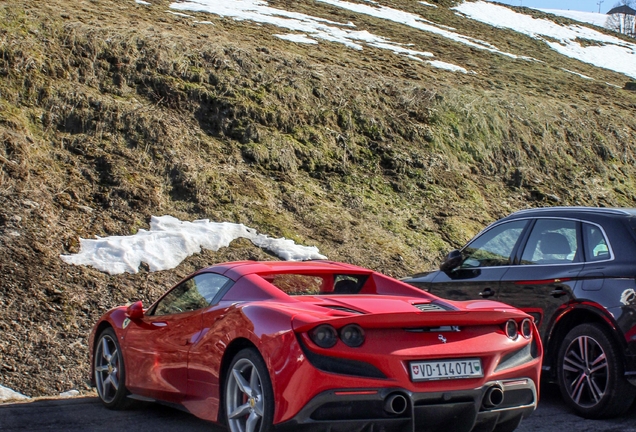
320	346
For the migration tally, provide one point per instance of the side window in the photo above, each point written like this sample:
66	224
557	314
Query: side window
494	247
596	246
193	294
552	241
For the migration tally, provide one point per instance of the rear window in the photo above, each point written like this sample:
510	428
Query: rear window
596	245
295	284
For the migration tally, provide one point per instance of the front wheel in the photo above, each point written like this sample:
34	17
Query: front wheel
249	399
590	373
108	369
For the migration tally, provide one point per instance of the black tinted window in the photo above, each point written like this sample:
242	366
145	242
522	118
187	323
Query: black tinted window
193	294
494	247
552	241
596	246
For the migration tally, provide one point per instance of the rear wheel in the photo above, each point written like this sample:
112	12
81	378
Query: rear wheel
108	369
590	373
249	399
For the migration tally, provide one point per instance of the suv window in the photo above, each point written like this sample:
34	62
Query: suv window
596	246
193	294
494	247
552	241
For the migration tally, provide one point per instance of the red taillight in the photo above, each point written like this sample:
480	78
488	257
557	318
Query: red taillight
325	336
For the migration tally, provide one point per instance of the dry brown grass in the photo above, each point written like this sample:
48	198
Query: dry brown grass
112	112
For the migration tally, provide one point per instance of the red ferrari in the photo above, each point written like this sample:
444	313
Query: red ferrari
320	346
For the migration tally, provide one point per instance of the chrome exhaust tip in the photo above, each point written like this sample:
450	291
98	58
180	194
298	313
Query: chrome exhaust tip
493	398
395	404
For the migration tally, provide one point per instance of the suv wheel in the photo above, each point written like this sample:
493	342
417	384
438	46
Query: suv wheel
590	373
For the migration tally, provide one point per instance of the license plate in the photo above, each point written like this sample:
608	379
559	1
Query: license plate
446	369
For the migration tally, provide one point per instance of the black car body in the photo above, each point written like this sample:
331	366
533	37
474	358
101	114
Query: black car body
574	270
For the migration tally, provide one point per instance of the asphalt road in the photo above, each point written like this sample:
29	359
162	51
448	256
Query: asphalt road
87	414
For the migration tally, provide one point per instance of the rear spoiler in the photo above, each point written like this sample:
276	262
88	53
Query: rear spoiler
305	322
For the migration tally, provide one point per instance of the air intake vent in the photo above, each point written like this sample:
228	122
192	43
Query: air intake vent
430	307
344	309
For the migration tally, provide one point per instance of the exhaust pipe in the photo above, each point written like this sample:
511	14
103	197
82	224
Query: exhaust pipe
493	398
395	404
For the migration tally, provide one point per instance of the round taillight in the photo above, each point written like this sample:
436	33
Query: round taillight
526	328
512	329
324	336
352	335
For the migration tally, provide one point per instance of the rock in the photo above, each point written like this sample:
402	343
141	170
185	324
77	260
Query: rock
30	203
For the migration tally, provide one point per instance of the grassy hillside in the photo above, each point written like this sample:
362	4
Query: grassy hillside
111	112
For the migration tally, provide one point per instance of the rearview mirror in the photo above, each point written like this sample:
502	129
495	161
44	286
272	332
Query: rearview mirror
452	261
135	311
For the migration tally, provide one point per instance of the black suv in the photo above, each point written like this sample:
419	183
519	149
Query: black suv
574	270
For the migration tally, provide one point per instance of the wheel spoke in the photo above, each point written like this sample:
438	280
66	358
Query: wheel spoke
583	350
105	349
242	384
596	392
114	380
252	422
259	407
241	411
255	383
101	368
599	363
576	364
107	384
577	388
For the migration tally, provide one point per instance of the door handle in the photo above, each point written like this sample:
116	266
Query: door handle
557	293
160	324
488	292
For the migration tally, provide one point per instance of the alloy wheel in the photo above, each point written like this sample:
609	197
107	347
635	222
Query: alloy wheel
107	370
245	400
585	371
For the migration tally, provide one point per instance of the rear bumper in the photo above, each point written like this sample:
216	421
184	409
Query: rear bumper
364	410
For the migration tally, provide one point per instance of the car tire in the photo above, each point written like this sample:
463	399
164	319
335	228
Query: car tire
248	396
590	373
109	372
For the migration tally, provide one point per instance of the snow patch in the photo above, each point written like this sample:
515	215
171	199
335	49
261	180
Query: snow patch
605	51
447	66
297	38
315	29
579	74
69	394
169	241
6	394
180	14
597	19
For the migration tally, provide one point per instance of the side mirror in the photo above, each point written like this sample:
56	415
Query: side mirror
452	261
135	311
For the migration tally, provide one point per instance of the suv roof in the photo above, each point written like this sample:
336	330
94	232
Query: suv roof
596	210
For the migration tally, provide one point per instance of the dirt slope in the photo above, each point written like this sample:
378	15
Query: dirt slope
111	112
